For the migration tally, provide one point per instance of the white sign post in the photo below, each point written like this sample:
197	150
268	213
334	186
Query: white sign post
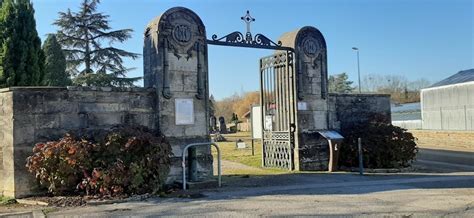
256	117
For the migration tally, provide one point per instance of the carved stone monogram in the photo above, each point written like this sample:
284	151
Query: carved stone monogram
183	30
310	46
182	33
183	36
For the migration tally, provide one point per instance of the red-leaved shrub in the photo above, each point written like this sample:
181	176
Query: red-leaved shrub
124	160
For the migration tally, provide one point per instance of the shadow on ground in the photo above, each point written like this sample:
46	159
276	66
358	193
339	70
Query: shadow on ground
239	186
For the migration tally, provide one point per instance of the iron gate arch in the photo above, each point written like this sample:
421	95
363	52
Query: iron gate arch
277	94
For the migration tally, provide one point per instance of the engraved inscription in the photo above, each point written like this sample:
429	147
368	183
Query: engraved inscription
182	33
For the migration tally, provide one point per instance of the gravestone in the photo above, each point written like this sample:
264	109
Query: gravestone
222	126
213	123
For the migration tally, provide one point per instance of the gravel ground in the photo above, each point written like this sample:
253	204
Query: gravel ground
446	140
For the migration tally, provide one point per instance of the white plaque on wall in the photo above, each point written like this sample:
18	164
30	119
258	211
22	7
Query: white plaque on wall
302	106
184	111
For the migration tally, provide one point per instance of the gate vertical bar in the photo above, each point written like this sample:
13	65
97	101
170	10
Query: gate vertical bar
280	118
277	95
290	145
262	100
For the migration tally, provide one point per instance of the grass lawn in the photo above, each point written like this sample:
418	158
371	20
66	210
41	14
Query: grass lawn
244	156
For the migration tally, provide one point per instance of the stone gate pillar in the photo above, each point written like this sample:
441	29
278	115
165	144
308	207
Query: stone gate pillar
311	151
175	64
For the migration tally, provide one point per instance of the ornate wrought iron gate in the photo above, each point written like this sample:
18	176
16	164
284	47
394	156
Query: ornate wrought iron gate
277	100
277	94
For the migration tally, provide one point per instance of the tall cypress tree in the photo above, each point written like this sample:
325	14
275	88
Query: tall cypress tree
55	63
21	57
81	34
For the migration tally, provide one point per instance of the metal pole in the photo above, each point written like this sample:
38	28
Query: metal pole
251	126
253	149
358	70
361	164
219	168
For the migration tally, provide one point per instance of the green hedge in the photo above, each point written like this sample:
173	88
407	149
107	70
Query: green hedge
384	146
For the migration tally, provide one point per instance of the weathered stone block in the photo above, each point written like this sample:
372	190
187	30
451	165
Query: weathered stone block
63	106
169	128
28	102
8	177
306	120
99	107
182	63
105	119
313	152
46	134
176	81
47	121
82	96
190	82
320	120
8	158
20	155
24	134
72	121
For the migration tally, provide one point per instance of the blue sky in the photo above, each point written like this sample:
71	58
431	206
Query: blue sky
429	39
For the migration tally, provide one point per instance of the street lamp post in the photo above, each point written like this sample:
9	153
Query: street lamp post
358	66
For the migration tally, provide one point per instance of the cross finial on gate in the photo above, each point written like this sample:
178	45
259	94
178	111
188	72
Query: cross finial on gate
248	19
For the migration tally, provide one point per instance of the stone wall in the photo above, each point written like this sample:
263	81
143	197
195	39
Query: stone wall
31	115
353	109
6	138
344	110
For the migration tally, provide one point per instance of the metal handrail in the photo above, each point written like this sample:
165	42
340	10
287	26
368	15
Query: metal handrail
183	163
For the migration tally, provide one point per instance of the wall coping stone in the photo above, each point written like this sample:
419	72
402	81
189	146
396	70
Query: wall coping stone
359	95
77	88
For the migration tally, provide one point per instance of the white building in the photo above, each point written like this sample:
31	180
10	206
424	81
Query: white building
449	104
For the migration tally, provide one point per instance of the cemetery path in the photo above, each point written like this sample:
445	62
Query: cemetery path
232	168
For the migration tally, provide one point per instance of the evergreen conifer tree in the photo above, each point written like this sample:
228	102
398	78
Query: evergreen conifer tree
340	83
86	38
55	63
21	57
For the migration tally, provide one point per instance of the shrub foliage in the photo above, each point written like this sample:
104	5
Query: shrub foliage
383	146
125	160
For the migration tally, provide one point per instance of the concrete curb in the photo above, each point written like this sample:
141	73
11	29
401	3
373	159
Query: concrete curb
35	214
380	170
31	202
102	202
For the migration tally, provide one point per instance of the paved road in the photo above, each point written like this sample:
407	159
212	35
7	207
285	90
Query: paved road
448	194
446	160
